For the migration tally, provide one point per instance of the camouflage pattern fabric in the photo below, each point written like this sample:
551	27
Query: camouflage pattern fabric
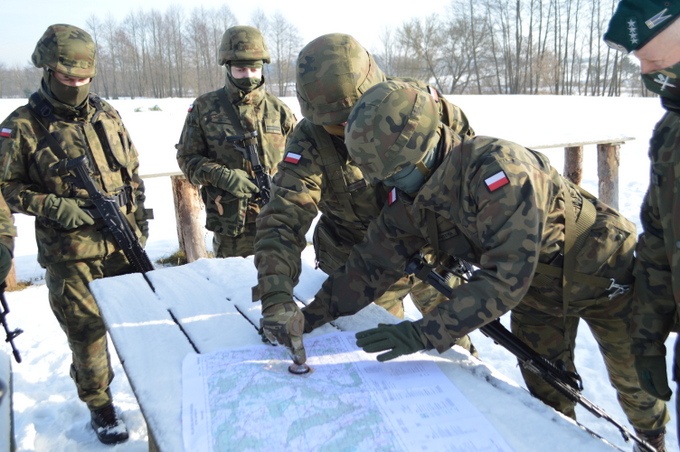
203	147
29	175
78	315
333	71
657	271
7	229
73	257
66	49
504	227
400	141
305	185
243	43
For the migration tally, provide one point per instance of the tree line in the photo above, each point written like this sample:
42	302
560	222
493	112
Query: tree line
474	47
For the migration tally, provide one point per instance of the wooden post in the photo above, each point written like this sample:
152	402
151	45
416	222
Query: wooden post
11	279
573	164
188	207
608	173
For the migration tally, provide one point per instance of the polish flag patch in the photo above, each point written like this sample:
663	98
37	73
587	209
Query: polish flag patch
191	107
293	158
392	197
5	132
496	181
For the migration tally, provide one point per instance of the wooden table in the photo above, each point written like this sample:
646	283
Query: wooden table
153	332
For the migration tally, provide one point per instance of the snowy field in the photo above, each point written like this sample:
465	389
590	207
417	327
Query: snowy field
48	414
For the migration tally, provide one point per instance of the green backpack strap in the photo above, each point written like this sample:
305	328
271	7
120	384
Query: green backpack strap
333	166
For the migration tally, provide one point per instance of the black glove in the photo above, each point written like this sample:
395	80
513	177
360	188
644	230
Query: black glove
401	339
651	372
283	323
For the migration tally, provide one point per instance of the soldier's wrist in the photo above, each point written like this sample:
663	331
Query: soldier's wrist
275	298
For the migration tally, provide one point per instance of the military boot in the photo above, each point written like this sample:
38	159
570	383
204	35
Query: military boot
109	427
655	438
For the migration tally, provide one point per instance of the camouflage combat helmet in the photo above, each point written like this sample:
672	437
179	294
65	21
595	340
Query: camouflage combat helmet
333	71
392	126
242	43
66	49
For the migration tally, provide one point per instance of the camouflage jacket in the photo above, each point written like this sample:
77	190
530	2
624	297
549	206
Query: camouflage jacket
29	172
7	229
657	274
496	205
317	175
203	146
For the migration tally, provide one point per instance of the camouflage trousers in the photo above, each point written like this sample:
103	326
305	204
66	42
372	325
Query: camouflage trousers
78	315
239	246
554	337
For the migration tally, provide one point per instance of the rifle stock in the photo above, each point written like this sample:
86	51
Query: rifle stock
567	383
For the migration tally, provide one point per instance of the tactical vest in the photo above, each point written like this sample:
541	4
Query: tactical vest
101	138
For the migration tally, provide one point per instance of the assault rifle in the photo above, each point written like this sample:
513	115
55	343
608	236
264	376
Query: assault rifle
10	335
567	383
262	178
112	216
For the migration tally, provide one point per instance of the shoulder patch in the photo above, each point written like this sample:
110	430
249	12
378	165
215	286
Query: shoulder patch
292	157
392	197
496	181
5	132
191	107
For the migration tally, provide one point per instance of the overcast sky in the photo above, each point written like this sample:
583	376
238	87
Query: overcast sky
25	21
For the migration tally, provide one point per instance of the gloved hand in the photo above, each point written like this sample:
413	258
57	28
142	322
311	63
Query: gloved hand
283	323
234	181
66	211
5	262
401	339
651	372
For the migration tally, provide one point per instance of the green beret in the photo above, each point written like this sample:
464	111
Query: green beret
636	22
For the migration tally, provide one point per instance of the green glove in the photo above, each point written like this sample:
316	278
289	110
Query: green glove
401	339
651	372
5	262
142	217
234	181
283	323
66	211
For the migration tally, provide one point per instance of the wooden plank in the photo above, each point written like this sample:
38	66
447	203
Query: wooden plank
151	348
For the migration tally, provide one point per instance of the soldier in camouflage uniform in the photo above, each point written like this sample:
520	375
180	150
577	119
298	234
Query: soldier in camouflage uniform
651	30
317	175
208	159
63	121
503	208
7	234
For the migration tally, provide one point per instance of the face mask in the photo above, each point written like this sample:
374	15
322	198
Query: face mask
665	83
69	95
245	84
336	129
411	179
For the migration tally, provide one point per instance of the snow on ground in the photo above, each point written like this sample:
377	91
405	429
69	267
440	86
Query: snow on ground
48	414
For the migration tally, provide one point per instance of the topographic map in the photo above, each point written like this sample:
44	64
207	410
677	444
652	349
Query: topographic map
246	400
